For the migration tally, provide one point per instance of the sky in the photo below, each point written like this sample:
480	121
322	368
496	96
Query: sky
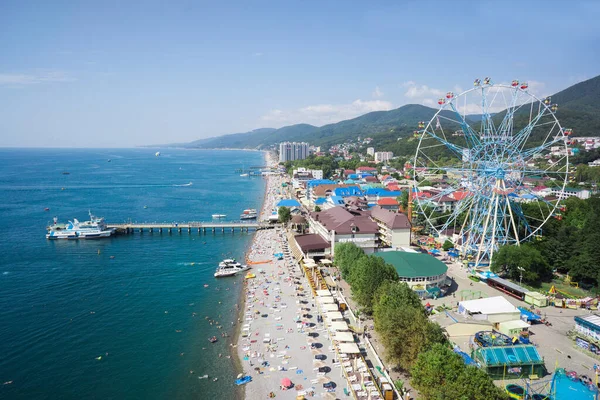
128	73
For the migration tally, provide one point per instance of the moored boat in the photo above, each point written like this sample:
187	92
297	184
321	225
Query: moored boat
219	216
229	267
95	228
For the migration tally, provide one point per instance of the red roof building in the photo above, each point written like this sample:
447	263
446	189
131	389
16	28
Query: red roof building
366	169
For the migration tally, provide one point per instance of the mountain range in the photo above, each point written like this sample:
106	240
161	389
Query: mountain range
579	109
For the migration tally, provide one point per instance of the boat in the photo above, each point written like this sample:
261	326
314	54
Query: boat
66	173
249	213
244	175
243	380
218	216
213	339
95	228
229	267
157	154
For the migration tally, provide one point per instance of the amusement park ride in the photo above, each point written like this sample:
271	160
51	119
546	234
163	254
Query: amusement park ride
489	143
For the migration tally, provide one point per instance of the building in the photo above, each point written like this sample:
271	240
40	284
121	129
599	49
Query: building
422	272
394	228
302	175
290	151
492	309
583	194
383	156
338	225
371	151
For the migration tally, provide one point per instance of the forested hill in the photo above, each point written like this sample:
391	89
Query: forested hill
579	109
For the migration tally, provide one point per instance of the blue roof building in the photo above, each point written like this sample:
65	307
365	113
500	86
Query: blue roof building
288	203
317	182
348	191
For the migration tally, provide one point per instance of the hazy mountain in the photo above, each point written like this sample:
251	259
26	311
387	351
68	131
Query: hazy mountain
579	109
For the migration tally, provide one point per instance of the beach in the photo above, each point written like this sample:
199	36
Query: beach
278	314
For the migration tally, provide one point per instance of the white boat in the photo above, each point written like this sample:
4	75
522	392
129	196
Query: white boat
95	228
229	267
157	154
248	216
244	175
217	216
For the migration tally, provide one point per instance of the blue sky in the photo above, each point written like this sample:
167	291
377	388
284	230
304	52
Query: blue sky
126	73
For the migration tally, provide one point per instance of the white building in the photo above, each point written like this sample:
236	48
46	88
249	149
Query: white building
583	194
290	151
383	156
371	151
492	309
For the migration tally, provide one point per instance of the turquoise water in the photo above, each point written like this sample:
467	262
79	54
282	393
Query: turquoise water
65	303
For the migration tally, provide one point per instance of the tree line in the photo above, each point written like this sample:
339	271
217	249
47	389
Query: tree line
569	244
412	342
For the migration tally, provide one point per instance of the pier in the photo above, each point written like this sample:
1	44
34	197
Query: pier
189	227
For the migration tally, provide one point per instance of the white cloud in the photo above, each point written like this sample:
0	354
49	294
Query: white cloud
422	92
322	114
34	78
258	54
377	92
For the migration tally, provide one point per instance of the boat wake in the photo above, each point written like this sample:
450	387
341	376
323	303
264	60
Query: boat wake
185	184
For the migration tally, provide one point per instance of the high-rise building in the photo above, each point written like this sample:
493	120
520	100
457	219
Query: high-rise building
290	151
371	151
383	156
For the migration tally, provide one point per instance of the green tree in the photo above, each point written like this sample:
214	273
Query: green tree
523	260
406	332
403	199
284	215
396	295
439	373
317	209
346	256
369	273
447	245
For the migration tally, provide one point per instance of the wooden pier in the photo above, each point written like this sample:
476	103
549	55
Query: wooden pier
189	227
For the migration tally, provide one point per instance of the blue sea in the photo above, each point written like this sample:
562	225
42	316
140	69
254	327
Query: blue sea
124	317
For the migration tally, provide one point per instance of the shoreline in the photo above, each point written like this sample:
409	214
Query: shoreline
240	392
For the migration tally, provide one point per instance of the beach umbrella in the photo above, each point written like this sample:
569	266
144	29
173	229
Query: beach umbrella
316	351
318	364
323	379
286	382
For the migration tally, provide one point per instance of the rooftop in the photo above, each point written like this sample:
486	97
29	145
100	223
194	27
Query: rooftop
311	242
413	265
288	203
391	219
488	305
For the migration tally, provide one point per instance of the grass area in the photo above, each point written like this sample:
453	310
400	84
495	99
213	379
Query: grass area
561	286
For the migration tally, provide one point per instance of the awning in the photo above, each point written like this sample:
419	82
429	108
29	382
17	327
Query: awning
326	300
330	282
329	307
323	292
333	315
349	348
339	326
325	261
344	337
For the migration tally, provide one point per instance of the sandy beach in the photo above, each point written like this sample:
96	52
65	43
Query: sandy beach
279	311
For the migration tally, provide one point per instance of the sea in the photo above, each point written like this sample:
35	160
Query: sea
127	317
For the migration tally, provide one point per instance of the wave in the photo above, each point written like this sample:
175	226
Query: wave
185	184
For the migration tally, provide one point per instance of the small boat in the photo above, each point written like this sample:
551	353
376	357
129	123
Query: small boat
213	339
244	175
218	216
250	276
243	380
157	154
46	209
66	173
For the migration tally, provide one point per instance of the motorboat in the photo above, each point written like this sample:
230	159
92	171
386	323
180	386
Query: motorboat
219	216
95	228
229	267
244	175
249	213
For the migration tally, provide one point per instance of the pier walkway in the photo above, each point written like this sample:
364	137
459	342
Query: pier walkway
200	227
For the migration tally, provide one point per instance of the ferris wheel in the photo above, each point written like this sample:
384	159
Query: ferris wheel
490	167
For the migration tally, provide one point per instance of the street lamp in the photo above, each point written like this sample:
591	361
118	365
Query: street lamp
521	269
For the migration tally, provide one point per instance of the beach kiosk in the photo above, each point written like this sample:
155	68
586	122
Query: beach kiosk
536	299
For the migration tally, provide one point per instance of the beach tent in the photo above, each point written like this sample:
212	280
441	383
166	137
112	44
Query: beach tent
326	261
339	326
323	292
349	348
344	337
334	315
330	307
